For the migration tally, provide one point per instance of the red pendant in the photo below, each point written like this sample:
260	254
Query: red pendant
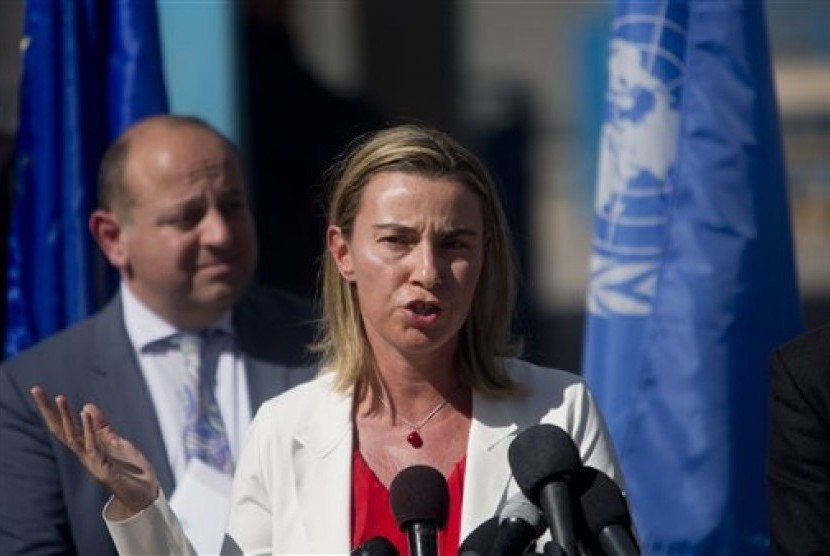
415	439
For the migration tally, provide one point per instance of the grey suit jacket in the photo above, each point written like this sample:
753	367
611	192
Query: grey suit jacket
49	504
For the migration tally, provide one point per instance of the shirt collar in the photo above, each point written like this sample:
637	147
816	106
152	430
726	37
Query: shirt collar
144	327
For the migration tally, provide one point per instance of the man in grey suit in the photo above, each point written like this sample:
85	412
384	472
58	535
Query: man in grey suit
174	219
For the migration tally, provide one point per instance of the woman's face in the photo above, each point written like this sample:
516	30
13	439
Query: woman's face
415	256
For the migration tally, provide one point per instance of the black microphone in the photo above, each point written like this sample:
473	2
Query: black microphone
376	546
420	498
605	512
541	459
479	542
520	523
229	547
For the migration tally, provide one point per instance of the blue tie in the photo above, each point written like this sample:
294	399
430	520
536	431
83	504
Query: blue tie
204	436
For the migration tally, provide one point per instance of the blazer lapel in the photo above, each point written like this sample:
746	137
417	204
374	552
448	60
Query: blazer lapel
123	394
323	469
488	471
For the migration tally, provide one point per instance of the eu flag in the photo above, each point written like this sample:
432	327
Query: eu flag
90	69
692	276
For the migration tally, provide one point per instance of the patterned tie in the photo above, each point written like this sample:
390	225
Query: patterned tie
204	435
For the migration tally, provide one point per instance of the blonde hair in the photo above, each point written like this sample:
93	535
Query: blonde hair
485	337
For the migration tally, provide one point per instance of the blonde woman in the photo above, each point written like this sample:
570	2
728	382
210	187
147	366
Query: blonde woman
417	367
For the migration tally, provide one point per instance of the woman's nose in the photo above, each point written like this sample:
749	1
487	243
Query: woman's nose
426	272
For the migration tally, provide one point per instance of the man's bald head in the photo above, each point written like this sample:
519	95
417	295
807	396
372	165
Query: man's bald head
175	219
113	192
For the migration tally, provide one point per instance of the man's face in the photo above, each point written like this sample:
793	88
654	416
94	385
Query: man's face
187	242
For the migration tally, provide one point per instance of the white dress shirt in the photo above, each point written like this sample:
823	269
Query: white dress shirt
164	370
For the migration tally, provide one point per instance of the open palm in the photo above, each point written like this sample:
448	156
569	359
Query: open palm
111	459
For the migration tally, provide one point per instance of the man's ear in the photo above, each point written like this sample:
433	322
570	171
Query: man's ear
107	230
338	246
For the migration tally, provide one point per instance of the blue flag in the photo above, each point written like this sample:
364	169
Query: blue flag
692	277
90	69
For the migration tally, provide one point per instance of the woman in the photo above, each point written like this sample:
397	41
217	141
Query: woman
416	368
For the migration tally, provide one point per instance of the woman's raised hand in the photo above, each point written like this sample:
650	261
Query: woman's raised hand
111	459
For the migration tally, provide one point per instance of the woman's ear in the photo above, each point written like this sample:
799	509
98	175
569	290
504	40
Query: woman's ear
338	246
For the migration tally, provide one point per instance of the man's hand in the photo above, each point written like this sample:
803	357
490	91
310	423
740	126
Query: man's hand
112	460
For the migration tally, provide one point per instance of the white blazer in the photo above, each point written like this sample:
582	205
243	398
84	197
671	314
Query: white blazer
292	487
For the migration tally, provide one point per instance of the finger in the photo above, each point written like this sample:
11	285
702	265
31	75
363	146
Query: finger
98	419
70	431
95	432
94	455
107	440
41	399
90	445
47	411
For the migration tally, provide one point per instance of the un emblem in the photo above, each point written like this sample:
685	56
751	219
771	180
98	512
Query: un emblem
637	151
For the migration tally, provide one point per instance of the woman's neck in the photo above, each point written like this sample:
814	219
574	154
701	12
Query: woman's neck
409	386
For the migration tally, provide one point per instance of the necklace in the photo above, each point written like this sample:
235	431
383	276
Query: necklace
414	437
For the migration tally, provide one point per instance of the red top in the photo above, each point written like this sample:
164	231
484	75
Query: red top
372	515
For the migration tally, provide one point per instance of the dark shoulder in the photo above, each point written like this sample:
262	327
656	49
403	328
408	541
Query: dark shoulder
275	325
810	350
275	306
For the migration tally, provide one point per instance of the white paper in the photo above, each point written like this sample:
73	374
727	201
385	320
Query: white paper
202	502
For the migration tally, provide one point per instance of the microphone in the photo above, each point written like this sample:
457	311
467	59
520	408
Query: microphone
479	542
376	546
520	523
541	458
605	512
420	498
229	547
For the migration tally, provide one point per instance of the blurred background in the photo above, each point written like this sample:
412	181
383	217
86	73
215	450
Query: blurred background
520	82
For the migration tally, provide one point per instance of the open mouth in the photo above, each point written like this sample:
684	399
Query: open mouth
423	308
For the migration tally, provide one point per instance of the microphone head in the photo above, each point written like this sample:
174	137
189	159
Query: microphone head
601	500
519	507
419	494
479	542
376	546
538	455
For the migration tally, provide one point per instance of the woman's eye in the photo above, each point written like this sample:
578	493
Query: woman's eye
231	207
454	244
